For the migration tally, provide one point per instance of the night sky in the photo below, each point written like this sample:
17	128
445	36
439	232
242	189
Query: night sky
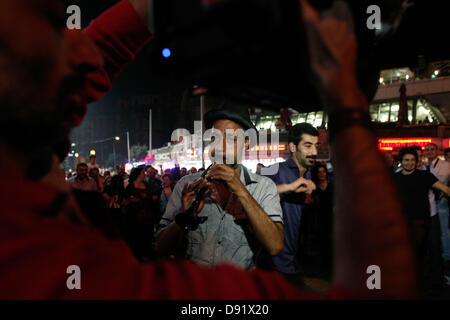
423	32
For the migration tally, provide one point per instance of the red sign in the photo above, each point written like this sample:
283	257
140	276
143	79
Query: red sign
388	144
446	143
280	147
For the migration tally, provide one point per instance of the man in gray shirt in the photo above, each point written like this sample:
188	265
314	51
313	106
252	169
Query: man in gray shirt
224	231
82	181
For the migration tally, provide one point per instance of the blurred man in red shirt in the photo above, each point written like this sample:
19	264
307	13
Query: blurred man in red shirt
49	74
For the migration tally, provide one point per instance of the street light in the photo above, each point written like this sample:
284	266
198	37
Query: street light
113	139
114	153
128	146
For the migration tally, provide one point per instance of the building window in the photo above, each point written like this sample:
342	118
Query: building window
374	112
424	113
388	112
311	117
383	112
394	112
319	119
302	118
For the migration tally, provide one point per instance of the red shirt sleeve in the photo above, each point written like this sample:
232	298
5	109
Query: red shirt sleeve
119	33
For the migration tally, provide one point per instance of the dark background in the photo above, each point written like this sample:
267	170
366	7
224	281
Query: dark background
423	32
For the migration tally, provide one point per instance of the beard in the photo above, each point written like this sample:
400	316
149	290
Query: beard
306	162
312	160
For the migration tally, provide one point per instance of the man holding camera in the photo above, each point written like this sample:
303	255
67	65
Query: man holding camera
240	212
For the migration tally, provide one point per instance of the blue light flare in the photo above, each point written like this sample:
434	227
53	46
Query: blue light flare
166	53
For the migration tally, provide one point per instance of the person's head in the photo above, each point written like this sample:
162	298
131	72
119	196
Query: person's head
166	180
389	157
231	149
44	68
151	172
303	141
137	174
319	173
419	152
431	151
107	181
408	159
82	171
183	172
94	172
259	167
121	170
106	174
447	154
230	123
92	159
193	170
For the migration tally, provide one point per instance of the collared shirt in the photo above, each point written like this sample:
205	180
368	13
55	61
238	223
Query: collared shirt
219	238
292	204
441	169
90	185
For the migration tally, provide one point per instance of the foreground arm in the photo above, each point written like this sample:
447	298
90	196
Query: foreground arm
370	226
119	33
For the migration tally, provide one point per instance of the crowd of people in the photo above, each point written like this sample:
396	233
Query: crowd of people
135	200
141	205
220	226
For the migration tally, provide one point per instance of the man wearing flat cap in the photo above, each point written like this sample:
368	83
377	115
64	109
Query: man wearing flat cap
240	213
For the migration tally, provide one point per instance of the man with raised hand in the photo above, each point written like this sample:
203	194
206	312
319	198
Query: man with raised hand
293	183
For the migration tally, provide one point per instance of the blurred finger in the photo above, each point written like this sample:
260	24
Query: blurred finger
185	188
194	184
301	189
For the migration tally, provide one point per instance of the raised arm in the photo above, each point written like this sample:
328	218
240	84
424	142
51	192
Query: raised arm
119	33
298	186
370	226
141	7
